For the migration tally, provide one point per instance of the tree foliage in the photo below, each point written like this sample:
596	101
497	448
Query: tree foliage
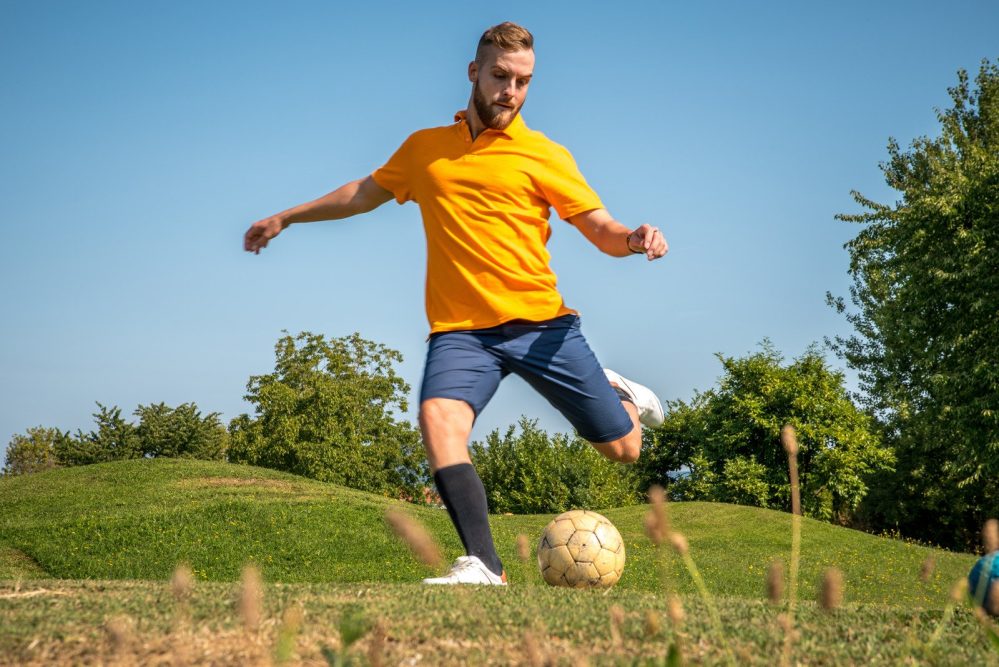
161	431
926	316
326	412
180	432
113	439
33	451
531	472
731	438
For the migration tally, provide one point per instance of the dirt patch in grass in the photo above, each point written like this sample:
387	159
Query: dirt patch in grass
15	564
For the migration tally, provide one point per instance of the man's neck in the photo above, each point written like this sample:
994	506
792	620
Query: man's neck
475	124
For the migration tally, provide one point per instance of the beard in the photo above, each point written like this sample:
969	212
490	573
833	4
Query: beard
493	117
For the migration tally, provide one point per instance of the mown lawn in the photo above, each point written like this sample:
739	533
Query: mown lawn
82	546
71	623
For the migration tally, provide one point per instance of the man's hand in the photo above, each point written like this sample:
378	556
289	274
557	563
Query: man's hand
261	232
356	197
648	240
615	239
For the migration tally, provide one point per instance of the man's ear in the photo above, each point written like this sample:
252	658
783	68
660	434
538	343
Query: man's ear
473	71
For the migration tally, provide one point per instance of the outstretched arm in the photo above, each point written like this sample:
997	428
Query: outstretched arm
358	196
615	239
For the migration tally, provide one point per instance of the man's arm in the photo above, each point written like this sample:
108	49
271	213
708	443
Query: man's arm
615	239
358	196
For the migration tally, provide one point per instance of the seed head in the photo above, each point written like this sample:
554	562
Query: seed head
657	525
251	597
775	582
784	621
376	647
674	608
291	624
831	594
523	548
789	440
415	536
532	647
616	613
182	582
959	591
990	536
119	631
679	543
653	623
926	571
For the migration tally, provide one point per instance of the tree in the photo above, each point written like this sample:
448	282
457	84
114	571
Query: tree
113	440
180	432
33	451
926	296
531	472
732	437
326	412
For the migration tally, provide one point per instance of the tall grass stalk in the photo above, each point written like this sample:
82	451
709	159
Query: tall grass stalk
958	592
657	528
790	442
680	545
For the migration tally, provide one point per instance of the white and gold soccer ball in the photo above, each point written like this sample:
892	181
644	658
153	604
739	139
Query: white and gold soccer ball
581	549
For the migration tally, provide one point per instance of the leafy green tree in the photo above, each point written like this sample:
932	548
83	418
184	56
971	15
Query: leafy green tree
326	412
33	451
180	432
114	439
733	434
531	472
926	306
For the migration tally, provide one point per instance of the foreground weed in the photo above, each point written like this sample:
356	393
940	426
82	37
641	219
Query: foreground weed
831	590
353	625
291	626
415	536
251	598
680	546
790	442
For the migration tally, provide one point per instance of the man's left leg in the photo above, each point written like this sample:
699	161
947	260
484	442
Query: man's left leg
606	409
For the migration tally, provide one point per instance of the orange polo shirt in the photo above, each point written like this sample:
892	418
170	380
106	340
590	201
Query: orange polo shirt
485	207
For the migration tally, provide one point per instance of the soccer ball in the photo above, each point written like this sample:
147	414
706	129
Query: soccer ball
581	549
985	593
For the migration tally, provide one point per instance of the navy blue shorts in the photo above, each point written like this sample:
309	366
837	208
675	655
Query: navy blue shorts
552	356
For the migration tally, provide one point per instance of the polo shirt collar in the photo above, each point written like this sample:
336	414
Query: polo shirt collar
514	130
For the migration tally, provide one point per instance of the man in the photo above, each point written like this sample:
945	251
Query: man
485	186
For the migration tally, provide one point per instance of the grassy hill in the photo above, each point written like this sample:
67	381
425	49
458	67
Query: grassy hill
85	554
138	519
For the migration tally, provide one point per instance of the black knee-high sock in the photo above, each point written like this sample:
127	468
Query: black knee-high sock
465	499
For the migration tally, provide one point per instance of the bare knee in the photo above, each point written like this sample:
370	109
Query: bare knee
622	450
446	425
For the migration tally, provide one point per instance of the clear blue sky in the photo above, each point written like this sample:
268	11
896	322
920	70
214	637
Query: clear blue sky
139	140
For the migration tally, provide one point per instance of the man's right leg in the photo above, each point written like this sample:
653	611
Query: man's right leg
446	425
460	377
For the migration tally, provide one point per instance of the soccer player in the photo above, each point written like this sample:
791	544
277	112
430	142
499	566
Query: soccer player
485	186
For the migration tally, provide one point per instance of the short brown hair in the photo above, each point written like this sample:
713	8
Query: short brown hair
506	36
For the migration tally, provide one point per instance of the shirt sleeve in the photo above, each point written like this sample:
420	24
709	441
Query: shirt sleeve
565	188
395	175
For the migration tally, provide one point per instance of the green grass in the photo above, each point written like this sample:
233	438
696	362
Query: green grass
460	627
70	539
138	519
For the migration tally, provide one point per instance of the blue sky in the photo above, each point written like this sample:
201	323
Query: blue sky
139	140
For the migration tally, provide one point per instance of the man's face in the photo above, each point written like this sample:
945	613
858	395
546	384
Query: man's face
499	85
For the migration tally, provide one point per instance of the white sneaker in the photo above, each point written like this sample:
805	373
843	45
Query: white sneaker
650	410
469	570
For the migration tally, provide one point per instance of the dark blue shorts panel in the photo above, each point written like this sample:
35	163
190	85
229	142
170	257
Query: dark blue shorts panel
552	356
461	365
